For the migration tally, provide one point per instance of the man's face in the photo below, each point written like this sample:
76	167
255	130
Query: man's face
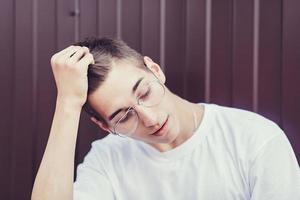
125	84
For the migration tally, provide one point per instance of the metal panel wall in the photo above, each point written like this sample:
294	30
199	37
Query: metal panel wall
290	73
6	104
238	53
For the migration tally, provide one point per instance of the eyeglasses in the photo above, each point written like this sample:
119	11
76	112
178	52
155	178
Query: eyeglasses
152	94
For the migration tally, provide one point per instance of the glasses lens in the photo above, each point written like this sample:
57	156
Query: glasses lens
153	94
127	124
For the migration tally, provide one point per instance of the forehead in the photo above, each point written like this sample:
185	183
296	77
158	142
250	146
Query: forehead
116	91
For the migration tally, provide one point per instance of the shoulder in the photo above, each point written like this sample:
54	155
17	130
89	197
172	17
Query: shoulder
244	121
243	132
113	142
112	148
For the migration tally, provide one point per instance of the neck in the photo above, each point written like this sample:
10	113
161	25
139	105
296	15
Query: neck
187	112
189	115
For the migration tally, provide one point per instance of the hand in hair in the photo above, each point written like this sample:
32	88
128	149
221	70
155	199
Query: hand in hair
70	67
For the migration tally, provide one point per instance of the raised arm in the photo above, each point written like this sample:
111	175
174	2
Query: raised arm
54	179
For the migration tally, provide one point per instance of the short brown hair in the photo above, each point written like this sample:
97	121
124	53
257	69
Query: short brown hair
105	51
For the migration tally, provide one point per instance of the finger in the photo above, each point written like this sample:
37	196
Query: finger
79	54
65	50
71	51
62	52
66	55
86	60
75	50
63	57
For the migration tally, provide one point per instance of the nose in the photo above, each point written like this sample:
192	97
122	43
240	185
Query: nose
146	116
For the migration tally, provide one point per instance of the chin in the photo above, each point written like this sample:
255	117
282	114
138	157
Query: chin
172	133
170	137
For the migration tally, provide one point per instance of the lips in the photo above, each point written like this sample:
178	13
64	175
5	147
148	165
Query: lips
161	130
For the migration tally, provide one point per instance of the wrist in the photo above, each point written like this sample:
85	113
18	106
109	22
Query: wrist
68	105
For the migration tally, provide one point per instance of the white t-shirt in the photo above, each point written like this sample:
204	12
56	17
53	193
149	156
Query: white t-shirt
233	155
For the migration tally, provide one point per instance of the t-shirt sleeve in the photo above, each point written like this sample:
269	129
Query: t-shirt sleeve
92	182
275	173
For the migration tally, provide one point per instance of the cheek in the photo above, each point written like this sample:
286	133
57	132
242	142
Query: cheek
139	134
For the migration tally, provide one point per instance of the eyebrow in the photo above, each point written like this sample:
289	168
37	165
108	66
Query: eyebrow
134	88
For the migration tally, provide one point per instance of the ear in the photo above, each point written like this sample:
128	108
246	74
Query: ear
100	124
155	68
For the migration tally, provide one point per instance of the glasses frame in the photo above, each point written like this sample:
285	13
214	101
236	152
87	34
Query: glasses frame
140	104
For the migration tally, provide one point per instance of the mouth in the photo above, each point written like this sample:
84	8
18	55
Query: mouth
161	131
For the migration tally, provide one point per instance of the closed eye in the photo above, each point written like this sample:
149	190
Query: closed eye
144	96
126	117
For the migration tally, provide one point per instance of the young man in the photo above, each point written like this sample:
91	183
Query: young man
161	146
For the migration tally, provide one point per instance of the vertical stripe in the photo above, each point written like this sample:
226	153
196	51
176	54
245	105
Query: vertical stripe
255	55
162	33
141	27
232	39
208	49
119	19
281	65
34	78
76	20
56	24
98	19
186	49
14	109
13	97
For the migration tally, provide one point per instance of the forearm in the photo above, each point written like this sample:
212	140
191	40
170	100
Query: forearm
54	179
